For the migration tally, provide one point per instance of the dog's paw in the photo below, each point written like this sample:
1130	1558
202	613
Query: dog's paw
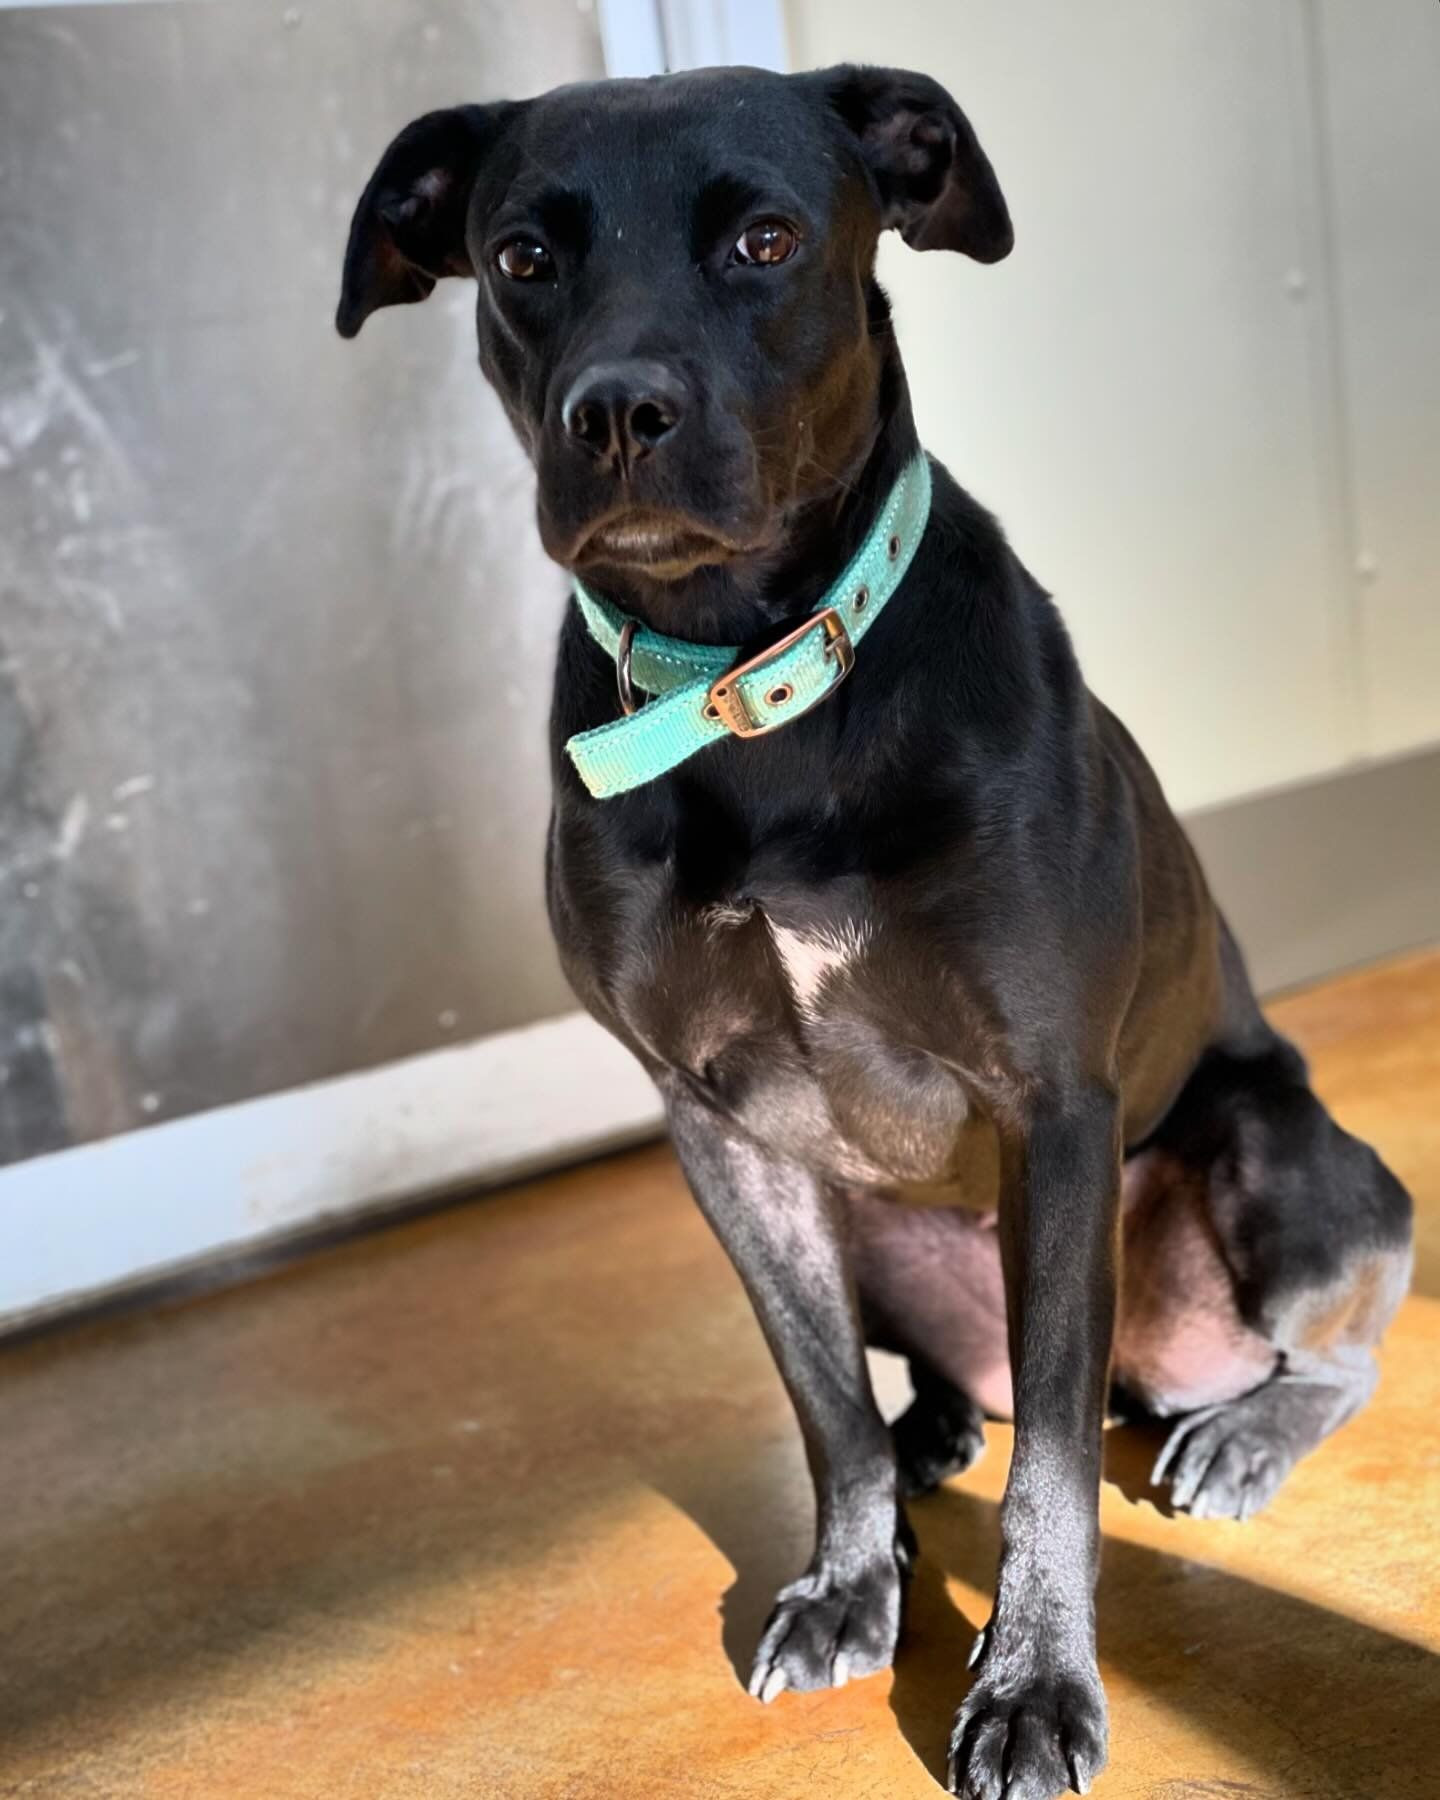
827	1628
1028	1735
1219	1465
932	1443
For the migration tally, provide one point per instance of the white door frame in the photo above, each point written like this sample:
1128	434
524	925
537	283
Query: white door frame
651	37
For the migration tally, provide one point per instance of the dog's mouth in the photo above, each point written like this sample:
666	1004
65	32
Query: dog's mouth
664	545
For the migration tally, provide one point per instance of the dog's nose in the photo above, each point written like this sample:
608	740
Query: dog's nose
623	411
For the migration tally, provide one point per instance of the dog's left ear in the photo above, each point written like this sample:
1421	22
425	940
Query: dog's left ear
935	183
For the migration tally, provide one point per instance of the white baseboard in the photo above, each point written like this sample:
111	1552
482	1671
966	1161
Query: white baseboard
79	1223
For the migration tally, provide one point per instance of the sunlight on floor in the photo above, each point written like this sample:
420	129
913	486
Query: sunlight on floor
493	1503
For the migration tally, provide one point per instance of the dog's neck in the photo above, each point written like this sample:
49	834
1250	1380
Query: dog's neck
746	601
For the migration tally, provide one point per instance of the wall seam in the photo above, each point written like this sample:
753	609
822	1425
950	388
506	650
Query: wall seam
1340	498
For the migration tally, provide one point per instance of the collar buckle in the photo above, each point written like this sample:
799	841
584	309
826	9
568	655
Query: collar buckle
726	702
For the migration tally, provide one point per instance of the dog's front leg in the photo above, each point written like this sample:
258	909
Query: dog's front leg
842	1617
1034	1722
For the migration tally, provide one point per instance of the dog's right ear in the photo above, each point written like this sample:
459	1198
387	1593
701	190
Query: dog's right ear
409	228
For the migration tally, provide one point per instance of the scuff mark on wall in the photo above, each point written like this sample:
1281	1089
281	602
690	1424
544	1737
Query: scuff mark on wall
73	821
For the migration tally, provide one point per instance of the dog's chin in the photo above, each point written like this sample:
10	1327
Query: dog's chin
659	546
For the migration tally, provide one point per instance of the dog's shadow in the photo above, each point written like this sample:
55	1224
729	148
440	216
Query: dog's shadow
1316	1704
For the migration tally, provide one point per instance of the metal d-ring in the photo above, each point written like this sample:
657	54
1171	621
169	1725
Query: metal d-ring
622	668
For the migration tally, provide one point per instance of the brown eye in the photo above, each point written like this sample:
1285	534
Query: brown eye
522	259
767	241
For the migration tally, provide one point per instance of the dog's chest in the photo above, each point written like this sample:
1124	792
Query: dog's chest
792	1019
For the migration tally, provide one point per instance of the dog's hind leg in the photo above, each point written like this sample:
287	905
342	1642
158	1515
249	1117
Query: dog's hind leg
1226	1462
1315	1232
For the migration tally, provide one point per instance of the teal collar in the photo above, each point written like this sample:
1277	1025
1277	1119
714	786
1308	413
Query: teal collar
704	692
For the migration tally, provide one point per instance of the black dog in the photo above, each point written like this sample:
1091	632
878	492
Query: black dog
939	940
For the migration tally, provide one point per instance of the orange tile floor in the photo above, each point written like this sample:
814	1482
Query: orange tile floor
492	1503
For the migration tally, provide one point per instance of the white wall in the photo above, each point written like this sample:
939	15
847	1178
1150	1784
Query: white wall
1382	100
1153	390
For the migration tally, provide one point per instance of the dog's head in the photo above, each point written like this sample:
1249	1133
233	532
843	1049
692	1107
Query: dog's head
676	295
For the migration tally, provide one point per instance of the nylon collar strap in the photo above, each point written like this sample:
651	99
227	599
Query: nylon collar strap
704	692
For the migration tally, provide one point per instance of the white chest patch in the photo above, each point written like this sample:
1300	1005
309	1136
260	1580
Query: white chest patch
811	958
